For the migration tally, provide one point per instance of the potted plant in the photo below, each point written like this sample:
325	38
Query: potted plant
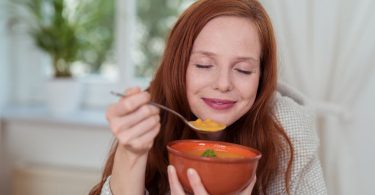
81	31
56	34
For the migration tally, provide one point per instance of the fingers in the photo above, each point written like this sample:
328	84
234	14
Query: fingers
119	123
174	184
134	122
141	135
133	100
252	184
149	137
250	187
132	91
195	182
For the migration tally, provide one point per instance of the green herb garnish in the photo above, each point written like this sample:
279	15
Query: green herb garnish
209	153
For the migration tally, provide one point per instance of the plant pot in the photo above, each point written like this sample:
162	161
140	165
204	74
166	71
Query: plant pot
63	96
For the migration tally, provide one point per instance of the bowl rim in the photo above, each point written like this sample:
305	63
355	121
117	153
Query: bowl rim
210	159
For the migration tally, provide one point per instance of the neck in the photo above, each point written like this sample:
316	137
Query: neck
217	136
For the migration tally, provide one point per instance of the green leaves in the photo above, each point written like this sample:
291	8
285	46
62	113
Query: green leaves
54	33
96	31
79	31
209	153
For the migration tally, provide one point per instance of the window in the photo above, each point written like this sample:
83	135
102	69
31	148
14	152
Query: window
155	18
122	50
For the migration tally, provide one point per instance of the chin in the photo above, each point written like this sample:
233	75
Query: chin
223	120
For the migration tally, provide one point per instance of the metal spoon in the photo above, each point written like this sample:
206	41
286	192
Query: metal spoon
189	123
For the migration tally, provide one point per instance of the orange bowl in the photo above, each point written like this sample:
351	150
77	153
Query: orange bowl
228	173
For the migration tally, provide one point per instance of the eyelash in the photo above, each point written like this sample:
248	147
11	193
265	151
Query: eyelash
203	66
244	71
239	70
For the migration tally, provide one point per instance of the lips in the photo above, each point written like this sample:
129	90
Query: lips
219	104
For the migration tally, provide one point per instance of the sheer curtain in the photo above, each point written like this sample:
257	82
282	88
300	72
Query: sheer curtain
327	51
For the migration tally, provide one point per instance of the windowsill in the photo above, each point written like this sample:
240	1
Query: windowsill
40	114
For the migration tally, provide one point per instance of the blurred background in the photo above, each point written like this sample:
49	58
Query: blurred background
59	59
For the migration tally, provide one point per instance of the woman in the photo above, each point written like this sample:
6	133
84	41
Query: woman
219	63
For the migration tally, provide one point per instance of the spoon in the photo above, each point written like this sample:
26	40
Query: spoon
192	124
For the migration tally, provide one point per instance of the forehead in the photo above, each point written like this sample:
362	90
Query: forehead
229	35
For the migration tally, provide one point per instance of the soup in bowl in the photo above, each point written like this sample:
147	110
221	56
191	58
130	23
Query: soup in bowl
224	168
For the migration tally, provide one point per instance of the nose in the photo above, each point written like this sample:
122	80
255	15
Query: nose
223	81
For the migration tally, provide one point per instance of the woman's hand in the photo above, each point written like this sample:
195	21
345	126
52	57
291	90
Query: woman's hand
194	180
195	183
134	122
249	188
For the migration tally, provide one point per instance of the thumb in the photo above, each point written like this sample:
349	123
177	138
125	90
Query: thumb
250	187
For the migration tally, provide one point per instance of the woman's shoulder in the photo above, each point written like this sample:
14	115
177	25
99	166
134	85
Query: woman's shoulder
293	111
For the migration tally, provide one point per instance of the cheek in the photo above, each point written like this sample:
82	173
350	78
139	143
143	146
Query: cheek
189	76
195	81
189	83
192	85
248	89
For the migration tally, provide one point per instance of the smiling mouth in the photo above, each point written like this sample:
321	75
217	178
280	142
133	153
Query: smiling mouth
219	104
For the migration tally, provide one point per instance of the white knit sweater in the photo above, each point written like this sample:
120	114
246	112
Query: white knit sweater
292	110
298	120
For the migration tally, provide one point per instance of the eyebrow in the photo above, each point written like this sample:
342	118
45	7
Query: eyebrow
238	59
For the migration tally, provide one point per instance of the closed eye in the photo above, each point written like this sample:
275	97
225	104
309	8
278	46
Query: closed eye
203	66
247	72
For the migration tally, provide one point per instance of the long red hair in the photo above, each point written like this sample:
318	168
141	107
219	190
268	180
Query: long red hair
258	128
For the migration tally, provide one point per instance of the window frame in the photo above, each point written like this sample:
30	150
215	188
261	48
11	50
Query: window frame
26	65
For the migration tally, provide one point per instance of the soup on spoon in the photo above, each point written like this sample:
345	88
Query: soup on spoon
207	125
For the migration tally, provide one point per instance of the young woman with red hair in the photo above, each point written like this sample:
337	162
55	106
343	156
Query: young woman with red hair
220	63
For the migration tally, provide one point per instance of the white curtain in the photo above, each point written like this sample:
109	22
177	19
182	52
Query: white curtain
327	51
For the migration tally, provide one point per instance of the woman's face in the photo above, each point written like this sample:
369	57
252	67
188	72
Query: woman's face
223	72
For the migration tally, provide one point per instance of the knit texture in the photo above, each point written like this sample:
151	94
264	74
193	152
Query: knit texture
293	111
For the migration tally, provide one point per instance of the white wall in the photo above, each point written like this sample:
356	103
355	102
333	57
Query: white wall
50	143
56	144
